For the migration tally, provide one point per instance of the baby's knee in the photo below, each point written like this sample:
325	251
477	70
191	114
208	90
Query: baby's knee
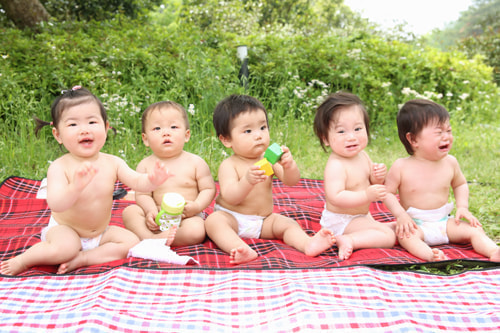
132	214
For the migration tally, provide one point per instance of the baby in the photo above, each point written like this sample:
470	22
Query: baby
165	129
244	208
351	180
423	181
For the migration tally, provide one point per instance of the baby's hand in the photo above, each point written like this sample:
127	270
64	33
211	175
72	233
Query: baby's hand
405	226
159	174
83	175
376	193
191	208
464	213
379	171
286	159
255	175
151	223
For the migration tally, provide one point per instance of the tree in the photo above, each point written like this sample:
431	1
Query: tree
25	13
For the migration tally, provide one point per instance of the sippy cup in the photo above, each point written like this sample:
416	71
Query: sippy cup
170	214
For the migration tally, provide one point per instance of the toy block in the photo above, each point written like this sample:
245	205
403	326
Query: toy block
264	164
273	153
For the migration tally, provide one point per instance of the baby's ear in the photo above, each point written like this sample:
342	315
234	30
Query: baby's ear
225	141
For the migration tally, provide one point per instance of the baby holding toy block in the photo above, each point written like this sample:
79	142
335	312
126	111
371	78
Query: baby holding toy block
423	181
244	207
165	129
352	181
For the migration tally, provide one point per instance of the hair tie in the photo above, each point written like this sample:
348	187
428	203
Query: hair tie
76	88
51	123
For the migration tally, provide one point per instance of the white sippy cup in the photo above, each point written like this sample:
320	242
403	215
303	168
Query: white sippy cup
170	214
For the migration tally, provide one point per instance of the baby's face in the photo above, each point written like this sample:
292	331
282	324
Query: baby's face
249	134
347	134
434	141
82	130
166	132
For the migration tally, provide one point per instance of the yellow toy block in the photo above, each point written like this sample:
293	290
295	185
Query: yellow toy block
264	164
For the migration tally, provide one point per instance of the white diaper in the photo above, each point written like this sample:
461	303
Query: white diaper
87	243
249	226
335	222
433	223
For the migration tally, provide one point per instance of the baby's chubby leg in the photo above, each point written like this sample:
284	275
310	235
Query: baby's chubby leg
463	232
62	244
115	244
277	226
222	229
190	232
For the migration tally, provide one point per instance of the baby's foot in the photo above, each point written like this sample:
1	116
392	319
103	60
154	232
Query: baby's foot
345	245
496	255
170	233
73	264
323	240
438	255
12	266
241	255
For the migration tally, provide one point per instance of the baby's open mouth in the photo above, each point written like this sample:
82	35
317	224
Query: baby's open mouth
86	141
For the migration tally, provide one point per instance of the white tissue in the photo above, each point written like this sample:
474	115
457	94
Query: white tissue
155	249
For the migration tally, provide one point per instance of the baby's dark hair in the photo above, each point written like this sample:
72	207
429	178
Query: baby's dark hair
415	115
163	105
328	112
231	106
69	98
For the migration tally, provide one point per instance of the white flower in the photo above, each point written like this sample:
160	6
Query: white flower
345	75
463	96
386	84
449	94
191	109
5	56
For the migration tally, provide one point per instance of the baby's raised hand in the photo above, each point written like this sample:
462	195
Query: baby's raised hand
376	192
255	175
159	174
379	171
286	159
405	226
83	175
464	213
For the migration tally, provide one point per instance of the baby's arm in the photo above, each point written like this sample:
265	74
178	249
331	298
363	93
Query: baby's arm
338	195
461	193
379	171
405	226
286	169
206	188
63	193
146	201
233	189
140	181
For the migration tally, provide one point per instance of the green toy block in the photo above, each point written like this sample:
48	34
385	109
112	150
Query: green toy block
273	153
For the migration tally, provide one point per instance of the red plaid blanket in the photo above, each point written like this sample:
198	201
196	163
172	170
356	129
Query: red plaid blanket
22	217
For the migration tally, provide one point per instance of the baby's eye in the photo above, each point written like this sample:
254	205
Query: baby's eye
263	127
340	131
357	129
247	131
174	126
157	128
